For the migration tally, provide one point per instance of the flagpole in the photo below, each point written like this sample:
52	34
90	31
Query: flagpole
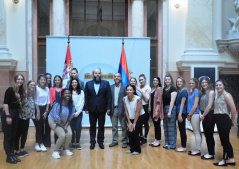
68	40
123	41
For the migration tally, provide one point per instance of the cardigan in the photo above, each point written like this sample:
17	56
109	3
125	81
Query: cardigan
158	102
53	94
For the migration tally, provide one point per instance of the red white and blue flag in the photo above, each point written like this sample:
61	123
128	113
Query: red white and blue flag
68	64
123	68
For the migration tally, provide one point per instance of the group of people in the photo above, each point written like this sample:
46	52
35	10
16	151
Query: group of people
59	107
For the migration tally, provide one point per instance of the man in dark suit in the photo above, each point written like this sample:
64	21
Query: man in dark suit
118	91
97	103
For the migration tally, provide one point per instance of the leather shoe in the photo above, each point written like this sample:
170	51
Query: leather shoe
204	158
233	164
92	146
101	145
11	160
15	158
113	144
217	164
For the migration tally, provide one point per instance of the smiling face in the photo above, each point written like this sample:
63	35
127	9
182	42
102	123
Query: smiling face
142	81
179	83
168	81
74	84
204	84
192	84
133	82
220	87
20	80
48	79
42	82
32	86
74	74
155	82
67	95
130	91
57	81
117	78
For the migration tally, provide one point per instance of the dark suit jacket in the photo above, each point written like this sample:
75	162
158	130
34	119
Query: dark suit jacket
122	93
100	102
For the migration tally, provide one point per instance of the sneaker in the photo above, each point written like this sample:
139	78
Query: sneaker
38	148
135	153
56	155
124	145
78	147
43	148
20	154
25	153
128	151
66	152
73	147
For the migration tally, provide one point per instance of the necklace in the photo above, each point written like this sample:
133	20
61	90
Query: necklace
167	88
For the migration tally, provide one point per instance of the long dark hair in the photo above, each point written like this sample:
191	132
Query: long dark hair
70	103
48	85
134	88
158	78
57	76
78	88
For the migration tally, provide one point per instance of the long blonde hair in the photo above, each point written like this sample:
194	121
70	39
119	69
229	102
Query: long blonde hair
19	90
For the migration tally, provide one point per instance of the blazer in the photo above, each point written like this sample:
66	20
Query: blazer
100	102
80	81
53	95
122	93
158	104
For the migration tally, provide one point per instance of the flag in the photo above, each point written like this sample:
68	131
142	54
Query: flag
123	68
68	64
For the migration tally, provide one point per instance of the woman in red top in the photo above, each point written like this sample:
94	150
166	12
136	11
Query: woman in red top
55	91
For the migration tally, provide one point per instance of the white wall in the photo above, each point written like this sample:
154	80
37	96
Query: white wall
222	10
176	33
16	32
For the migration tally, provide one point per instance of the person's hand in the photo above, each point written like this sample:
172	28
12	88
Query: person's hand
180	119
169	115
130	126
234	124
133	126
38	116
108	112
189	118
9	120
76	115
201	117
44	115
87	112
65	128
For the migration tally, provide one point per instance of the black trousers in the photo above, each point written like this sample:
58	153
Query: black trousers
182	130
10	131
43	130
157	127
134	139
145	122
224	124
22	131
76	125
94	116
208	127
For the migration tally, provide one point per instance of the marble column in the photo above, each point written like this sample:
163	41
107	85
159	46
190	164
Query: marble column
58	18
4	52
137	28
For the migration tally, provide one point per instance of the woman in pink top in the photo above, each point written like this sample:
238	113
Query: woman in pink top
55	91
